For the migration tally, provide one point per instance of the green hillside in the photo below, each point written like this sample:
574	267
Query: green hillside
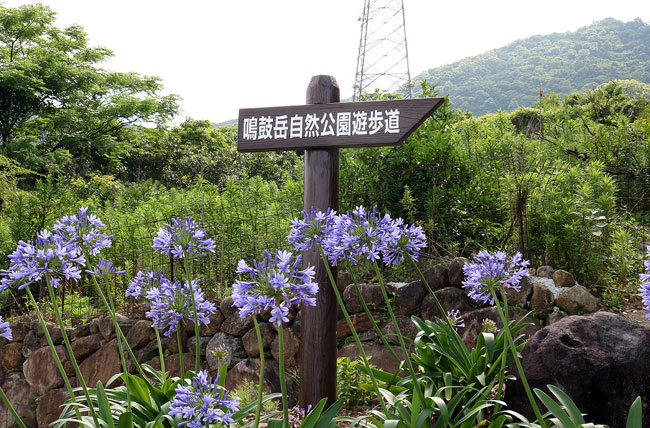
509	77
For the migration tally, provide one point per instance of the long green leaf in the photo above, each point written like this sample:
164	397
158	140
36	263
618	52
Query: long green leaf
125	421
568	404
634	417
557	411
328	416
104	406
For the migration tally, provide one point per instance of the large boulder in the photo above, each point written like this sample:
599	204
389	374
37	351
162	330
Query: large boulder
602	361
11	357
456	272
437	277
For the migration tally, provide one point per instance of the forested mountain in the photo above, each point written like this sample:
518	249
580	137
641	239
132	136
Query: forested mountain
509	77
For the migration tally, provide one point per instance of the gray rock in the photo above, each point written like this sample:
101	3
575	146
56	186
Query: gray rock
30	344
101	365
576	300
11	357
237	326
107	329
602	361
408	298
437	277
474	323
49	406
80	331
203	343
563	278
224	349
371	294
360	321
520	298
545	272
19	330
379	355
250	339
456	273
227	308
84	346
407	329
248	370
450	298
40	369
542	300
140	334
21	396
291	348
556	316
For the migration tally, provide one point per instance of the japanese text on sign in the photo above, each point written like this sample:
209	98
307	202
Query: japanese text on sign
314	125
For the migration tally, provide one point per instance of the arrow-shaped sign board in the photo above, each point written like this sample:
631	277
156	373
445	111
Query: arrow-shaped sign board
321	126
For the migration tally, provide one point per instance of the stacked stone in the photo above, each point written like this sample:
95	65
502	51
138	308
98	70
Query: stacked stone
31	379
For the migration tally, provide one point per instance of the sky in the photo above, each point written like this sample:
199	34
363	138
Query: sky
223	55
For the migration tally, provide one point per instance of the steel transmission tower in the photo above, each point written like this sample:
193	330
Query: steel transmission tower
383	61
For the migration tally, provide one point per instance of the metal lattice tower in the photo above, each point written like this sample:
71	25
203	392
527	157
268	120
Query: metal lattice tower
383	61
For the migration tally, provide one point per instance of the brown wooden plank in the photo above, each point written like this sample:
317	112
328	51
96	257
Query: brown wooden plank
412	113
318	325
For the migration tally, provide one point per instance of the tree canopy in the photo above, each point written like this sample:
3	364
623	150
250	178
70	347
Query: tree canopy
58	106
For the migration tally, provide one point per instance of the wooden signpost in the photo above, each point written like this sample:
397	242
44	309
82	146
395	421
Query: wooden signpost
320	128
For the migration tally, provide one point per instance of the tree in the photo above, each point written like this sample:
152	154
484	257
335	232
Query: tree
57	105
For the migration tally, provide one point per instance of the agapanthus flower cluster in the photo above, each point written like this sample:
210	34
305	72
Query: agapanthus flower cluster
493	270
49	254
644	288
105	267
356	235
171	303
311	229
5	330
456	319
144	281
276	283
181	238
84	230
204	403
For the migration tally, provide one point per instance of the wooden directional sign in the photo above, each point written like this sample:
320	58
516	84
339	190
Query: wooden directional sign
322	126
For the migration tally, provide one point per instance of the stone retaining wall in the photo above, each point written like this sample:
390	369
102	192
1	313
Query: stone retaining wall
32	382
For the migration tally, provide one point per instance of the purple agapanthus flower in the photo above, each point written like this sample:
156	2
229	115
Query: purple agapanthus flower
84	230
356	235
644	288
105	267
143	281
203	404
402	239
171	303
495	269
181	238
274	283
5	330
298	414
311	229
48	254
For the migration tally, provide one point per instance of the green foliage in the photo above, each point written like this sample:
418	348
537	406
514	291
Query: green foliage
57	105
510	77
247	394
352	383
